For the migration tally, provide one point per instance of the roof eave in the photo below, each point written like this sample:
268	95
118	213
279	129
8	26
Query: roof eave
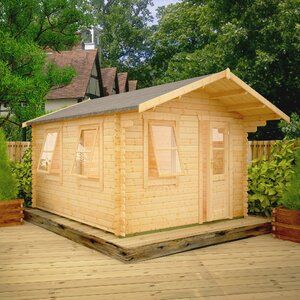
106	112
201	83
181	91
259	97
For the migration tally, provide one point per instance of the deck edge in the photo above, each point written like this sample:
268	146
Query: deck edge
148	251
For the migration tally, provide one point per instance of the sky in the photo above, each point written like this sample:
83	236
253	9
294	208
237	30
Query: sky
158	3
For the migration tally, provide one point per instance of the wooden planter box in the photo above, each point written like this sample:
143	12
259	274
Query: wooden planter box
11	212
286	224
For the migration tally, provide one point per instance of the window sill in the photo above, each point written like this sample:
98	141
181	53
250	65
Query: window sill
89	182
162	181
50	176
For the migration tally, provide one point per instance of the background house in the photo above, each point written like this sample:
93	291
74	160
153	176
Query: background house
87	83
123	82
110	81
91	81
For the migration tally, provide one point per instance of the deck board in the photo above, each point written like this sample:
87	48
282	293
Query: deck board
38	264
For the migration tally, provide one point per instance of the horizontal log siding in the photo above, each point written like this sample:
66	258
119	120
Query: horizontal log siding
163	206
91	205
125	205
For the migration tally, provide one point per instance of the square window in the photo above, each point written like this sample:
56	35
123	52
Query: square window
50	156
163	151
87	157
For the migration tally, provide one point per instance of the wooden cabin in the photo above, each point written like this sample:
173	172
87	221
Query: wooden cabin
160	157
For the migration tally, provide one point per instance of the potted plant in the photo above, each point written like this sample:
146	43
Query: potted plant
11	209
286	218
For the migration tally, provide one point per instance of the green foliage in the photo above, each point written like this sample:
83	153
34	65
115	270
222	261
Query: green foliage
268	178
291	196
26	77
291	130
27	28
12	131
8	188
124	35
48	23
253	38
22	173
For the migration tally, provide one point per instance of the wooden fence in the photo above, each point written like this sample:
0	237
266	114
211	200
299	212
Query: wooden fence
16	150
258	149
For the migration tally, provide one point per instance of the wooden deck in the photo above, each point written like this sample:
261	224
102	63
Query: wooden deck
151	245
38	264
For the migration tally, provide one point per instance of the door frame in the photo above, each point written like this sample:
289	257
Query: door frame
205	147
225	176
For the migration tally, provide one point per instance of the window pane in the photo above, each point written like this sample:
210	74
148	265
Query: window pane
152	165
218	137
87	139
168	161
48	151
45	161
91	165
87	155
166	153
218	161
50	141
163	136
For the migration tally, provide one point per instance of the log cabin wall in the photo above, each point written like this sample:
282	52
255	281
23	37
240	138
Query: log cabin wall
130	200
93	204
169	163
153	204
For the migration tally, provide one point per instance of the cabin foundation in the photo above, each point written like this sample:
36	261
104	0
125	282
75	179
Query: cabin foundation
151	245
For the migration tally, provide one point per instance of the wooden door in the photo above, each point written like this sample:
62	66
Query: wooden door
218	200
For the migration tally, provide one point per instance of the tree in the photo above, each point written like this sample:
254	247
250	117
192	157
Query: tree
123	33
258	40
48	23
26	78
27	29
291	130
8	187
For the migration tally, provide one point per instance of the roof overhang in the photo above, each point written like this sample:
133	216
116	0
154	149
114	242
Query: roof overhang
249	99
223	88
29	122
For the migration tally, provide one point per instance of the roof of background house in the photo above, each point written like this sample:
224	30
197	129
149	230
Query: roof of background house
108	78
82	61
114	103
132	85
123	83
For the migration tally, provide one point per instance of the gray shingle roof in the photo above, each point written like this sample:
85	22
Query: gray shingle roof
115	103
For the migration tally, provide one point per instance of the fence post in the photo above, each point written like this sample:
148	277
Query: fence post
258	149
16	150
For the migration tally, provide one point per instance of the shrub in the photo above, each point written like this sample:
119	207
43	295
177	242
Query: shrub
23	175
291	130
291	196
8	187
268	178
